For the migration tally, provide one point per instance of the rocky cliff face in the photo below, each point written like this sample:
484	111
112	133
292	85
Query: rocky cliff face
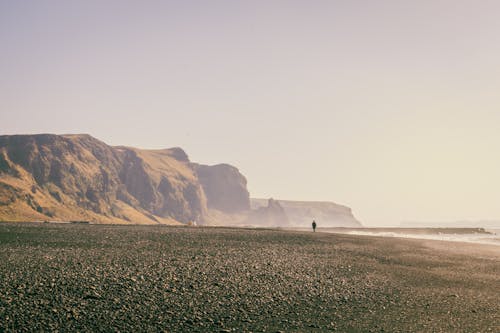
326	214
272	215
225	187
77	177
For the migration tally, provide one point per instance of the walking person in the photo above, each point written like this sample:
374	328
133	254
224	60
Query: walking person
314	226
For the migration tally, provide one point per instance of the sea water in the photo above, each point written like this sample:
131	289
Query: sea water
492	237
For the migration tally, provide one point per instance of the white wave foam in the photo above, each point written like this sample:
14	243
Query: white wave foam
492	239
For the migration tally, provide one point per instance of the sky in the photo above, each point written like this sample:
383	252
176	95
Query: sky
391	107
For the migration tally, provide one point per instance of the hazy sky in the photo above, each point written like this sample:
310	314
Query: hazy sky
390	107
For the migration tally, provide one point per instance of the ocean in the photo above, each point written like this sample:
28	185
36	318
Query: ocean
484	236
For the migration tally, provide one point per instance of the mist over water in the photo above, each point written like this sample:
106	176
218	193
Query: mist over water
491	237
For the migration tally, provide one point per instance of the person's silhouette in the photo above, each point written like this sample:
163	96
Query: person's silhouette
314	226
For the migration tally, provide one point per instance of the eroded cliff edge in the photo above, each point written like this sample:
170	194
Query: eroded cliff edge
301	213
47	177
77	177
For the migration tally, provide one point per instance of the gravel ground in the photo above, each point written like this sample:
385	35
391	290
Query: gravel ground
176	279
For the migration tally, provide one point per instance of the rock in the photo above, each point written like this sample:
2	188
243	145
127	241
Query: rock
79	178
225	187
273	215
301	213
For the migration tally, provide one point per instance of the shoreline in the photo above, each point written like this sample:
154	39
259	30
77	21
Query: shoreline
465	235
74	277
474	235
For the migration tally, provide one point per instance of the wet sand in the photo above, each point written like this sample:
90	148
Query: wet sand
177	279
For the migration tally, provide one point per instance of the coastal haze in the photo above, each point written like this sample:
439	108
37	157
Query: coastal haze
250	166
61	178
388	107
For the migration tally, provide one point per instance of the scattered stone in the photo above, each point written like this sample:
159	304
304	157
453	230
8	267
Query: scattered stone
95	278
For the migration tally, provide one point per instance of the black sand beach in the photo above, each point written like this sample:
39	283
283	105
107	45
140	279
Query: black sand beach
177	279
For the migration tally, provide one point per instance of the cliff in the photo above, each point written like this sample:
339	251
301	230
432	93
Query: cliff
225	187
272	215
77	177
326	214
